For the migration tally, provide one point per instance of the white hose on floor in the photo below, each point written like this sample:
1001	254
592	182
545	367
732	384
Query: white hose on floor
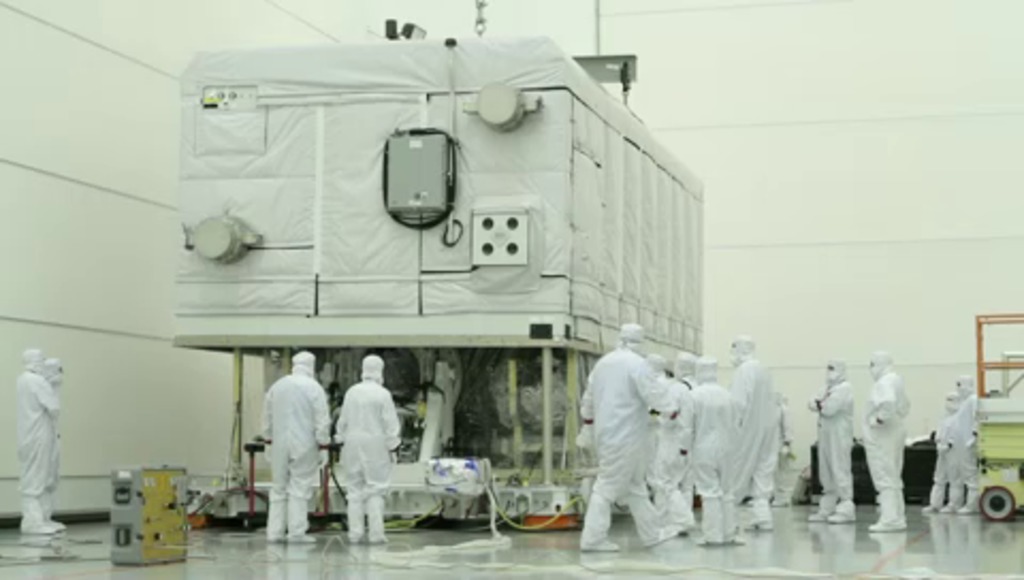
425	554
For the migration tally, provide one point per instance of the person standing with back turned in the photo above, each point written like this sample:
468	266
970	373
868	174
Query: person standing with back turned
758	445
716	424
370	432
621	392
669	475
297	423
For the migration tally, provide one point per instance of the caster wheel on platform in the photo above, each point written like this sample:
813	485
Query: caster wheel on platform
998	504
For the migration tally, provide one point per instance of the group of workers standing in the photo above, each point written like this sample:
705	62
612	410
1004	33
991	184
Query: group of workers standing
296	423
726	444
884	441
723	444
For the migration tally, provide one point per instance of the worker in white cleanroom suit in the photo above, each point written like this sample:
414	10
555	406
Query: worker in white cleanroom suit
371	433
945	465
716	424
965	448
785	479
53	372
835	443
37	413
884	442
621	393
671	463
758	446
685	372
297	423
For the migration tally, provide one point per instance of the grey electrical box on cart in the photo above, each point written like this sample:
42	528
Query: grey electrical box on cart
418	175
147	515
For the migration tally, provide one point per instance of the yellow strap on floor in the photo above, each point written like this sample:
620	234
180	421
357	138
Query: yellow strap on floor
412	523
537	527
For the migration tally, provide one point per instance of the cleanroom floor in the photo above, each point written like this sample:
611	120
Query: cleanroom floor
933	546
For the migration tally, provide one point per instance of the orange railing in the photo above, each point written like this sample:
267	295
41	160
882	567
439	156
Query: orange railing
980	322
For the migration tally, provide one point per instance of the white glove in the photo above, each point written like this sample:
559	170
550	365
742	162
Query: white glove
786	450
585	440
813	405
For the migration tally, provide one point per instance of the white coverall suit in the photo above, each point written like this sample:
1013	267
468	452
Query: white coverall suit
296	421
785	479
669	476
945	464
758	446
964	454
370	431
37	413
835	444
716	423
621	393
53	372
884	442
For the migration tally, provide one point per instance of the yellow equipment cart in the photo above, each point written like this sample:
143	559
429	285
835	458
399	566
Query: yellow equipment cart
1000	431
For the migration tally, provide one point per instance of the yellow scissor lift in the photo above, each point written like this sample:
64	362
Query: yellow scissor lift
1000	427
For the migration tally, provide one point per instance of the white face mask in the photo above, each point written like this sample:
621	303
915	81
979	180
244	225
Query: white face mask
876	371
833	376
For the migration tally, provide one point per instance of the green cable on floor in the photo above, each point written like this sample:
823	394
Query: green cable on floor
402	524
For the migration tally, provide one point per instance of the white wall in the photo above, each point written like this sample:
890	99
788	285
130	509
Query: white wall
88	227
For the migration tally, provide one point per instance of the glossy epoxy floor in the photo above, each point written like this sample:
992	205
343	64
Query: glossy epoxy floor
934	546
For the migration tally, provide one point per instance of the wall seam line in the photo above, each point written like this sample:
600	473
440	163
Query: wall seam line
87	184
936	117
81	328
89	41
